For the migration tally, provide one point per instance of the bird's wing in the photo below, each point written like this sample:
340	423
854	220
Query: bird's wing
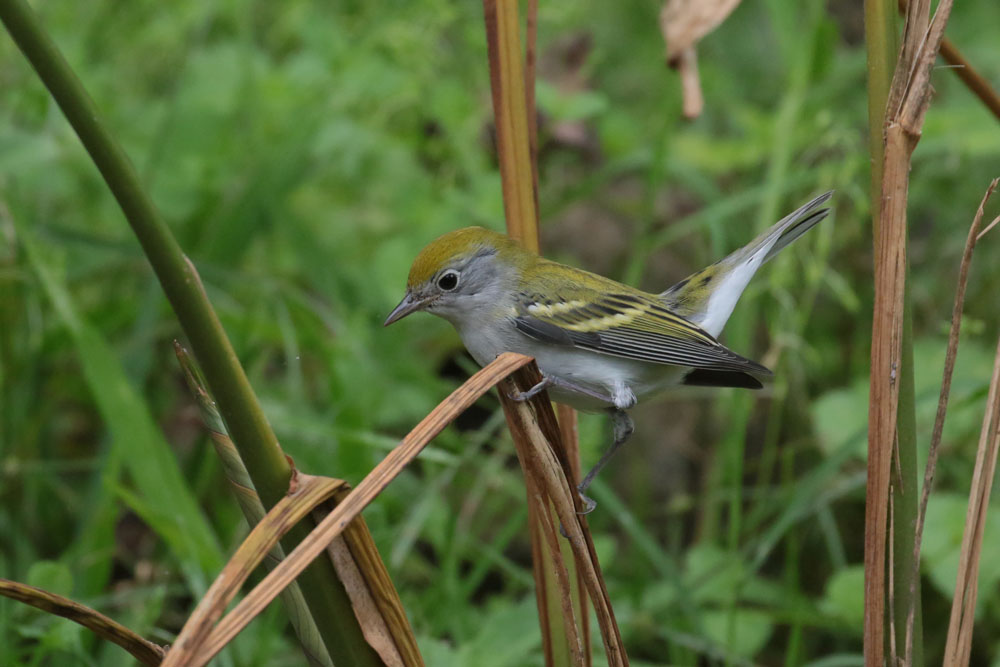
632	326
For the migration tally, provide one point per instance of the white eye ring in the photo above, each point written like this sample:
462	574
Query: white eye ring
448	280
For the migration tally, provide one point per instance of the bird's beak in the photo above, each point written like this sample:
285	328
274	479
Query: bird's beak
409	304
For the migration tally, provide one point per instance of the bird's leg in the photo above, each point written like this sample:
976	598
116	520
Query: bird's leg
621	397
522	396
623	428
551	381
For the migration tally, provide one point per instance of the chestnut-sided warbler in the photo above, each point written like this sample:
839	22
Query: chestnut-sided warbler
598	343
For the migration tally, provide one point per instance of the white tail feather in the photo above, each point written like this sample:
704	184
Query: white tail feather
731	276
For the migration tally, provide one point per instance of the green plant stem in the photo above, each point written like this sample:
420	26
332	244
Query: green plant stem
256	441
905	500
882	43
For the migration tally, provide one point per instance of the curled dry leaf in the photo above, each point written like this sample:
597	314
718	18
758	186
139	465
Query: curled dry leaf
145	652
683	23
199	641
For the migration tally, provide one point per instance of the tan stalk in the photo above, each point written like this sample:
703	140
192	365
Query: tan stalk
972	79
503	44
963	605
942	409
558	585
570	437
908	101
141	649
534	428
530	67
964	70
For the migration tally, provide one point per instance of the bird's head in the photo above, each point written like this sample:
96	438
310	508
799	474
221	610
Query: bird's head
461	275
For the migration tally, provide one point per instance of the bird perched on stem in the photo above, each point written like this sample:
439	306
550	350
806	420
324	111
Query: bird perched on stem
599	344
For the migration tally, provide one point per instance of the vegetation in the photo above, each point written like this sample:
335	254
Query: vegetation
303	152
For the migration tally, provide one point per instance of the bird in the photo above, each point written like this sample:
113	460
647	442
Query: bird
600	345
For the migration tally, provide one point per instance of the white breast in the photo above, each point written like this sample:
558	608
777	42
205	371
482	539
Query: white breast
600	373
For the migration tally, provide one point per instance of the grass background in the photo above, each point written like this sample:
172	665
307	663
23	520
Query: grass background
303	153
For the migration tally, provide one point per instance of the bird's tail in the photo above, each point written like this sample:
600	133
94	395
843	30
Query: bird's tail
708	297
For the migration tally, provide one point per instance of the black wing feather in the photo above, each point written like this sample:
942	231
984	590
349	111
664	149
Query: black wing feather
657	336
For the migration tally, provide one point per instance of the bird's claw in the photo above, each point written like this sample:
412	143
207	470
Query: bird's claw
589	504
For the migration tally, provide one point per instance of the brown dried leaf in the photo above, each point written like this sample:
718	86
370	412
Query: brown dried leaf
683	23
199	641
142	650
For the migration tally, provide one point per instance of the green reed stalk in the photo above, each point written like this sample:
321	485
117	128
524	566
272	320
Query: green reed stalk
256	441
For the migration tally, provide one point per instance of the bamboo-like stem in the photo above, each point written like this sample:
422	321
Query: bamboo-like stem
567	417
513	139
891	428
530	67
905	496
881	43
565	631
258	446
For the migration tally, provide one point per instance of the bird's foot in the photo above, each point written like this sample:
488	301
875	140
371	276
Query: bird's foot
623	428
589	504
522	396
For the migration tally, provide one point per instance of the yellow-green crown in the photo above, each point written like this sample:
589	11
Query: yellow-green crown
455	246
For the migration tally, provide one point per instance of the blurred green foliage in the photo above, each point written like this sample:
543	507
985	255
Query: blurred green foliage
304	152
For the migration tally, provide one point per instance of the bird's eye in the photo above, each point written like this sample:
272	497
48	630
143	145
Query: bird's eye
448	280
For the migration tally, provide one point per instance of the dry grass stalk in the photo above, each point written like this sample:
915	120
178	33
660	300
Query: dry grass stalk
503	44
942	409
189	648
558	592
336	521
559	586
146	652
973	80
534	427
908	100
990	226
356	560
359	566
561	639
683	23
570	438
964	70
963	605
253	509
530	67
